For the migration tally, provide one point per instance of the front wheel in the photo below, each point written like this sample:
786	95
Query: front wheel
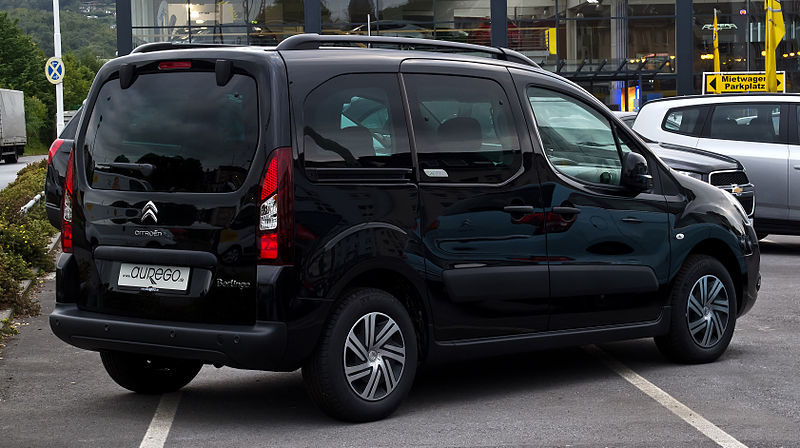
703	312
149	374
11	158
365	363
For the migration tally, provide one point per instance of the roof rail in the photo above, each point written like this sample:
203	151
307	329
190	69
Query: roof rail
311	41
160	46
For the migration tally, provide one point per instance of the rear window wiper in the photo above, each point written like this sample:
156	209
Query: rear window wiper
146	169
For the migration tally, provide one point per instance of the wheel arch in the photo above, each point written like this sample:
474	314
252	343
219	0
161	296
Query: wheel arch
723	253
405	286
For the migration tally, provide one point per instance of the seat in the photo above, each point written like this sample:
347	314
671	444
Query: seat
761	129
460	134
357	140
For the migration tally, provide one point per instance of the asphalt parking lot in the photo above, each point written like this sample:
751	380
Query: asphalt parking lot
52	394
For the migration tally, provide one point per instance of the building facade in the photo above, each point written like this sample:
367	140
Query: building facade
626	52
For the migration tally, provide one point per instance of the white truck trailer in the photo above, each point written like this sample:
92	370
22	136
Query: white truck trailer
12	125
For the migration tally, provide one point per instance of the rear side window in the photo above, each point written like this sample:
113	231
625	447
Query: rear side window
464	129
356	121
685	120
746	122
71	128
176	132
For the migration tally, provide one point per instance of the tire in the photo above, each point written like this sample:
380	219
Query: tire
704	342
380	377
149	374
11	158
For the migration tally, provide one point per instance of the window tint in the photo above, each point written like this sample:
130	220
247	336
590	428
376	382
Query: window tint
746	122
464	129
686	120
173	132
577	139
356	121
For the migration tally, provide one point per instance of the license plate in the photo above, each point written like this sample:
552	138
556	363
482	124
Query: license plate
174	278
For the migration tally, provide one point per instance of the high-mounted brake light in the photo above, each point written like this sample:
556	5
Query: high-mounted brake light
175	65
276	215
54	149
66	207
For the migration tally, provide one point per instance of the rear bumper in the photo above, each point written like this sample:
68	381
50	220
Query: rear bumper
261	346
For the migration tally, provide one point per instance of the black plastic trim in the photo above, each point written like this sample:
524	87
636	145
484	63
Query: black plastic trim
164	256
584	280
497	283
260	346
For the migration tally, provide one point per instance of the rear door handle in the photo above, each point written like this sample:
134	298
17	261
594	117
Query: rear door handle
568	211
518	209
632	220
797	167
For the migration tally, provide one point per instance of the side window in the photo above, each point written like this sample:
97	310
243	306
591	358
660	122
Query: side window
685	120
464	129
356	121
577	139
746	122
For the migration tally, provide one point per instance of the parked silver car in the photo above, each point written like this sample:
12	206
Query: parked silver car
759	130
716	169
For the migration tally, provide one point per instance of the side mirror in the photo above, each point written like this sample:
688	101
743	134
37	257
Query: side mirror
634	173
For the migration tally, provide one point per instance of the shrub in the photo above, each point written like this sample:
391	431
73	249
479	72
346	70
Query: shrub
23	237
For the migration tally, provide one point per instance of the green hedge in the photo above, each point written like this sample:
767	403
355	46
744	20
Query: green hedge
23	237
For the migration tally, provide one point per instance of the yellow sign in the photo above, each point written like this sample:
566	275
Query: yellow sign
734	82
552	42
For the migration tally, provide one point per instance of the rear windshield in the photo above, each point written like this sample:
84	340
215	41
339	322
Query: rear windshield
176	132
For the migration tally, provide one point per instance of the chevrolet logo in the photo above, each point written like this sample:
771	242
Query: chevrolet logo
736	190
149	210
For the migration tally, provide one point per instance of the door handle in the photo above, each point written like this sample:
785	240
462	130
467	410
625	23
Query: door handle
797	167
567	211
632	220
518	209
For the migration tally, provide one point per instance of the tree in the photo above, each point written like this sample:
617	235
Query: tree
78	33
80	69
22	68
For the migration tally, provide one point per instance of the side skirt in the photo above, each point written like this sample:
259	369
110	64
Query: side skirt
447	351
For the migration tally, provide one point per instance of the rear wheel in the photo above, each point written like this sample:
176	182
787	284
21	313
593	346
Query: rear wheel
703	312
365	363
149	374
11	158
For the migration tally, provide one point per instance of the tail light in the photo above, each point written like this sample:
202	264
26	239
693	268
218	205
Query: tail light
66	207
276	214
54	149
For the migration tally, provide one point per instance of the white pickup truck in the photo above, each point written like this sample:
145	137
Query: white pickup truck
12	125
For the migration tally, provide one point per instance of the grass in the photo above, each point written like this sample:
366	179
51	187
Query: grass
35	149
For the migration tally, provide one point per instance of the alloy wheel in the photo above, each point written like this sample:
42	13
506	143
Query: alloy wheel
374	356
707	311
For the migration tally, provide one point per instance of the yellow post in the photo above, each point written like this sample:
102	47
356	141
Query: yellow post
775	30
716	43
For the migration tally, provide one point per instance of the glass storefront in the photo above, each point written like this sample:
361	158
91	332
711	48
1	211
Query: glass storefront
618	49
459	21
264	22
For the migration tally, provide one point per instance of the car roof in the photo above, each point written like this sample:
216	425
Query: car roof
756	97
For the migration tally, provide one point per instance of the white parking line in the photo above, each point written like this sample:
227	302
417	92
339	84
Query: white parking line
157	432
709	429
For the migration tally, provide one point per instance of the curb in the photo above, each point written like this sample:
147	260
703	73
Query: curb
25	285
